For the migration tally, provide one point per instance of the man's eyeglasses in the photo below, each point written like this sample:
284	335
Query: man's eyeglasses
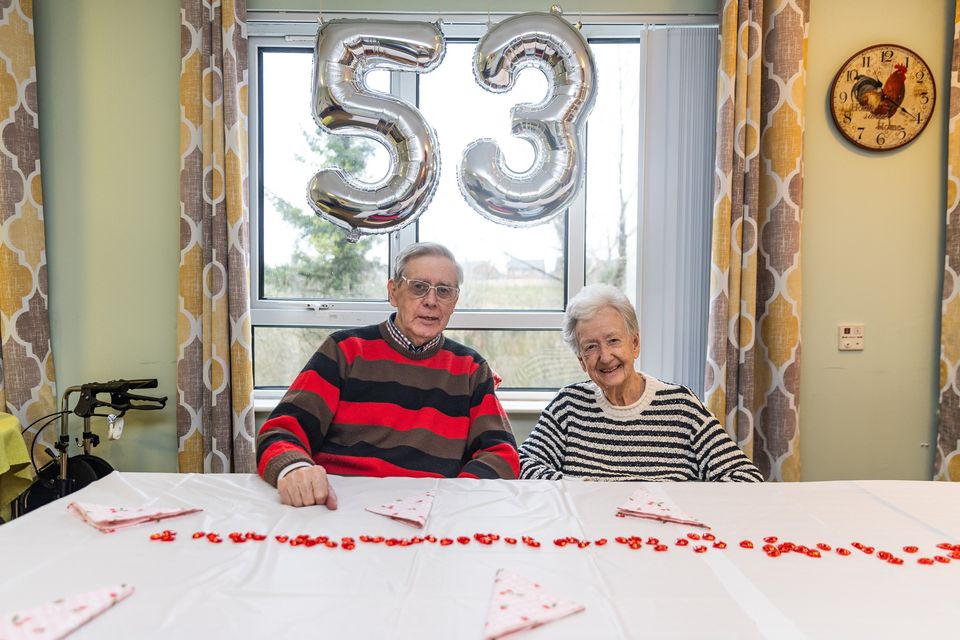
419	289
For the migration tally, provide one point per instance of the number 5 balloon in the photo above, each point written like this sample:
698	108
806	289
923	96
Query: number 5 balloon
345	50
556	127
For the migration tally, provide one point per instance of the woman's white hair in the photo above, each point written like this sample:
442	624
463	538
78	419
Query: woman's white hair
419	249
588	302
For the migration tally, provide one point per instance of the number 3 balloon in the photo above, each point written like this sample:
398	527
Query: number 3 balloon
345	50
556	127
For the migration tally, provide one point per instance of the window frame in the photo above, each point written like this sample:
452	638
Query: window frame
276	30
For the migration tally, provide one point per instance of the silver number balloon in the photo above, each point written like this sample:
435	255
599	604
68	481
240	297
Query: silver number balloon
556	127
345	50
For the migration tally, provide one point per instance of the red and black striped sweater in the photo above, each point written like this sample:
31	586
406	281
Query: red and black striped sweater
365	406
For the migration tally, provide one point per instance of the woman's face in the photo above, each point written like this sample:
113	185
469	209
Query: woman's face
607	350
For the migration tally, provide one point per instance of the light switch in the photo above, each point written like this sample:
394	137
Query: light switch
850	337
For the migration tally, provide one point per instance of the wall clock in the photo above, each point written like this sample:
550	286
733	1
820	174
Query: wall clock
882	97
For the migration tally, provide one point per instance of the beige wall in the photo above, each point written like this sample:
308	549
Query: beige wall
108	73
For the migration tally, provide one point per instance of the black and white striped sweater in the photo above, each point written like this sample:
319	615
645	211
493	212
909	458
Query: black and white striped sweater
666	435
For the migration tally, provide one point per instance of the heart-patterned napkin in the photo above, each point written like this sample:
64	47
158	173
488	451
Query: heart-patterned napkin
519	604
60	618
643	504
108	519
413	510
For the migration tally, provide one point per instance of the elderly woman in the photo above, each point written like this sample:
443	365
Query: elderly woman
621	424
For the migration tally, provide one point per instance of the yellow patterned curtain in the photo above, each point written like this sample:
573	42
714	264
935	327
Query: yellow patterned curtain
27	381
753	354
214	369
946	464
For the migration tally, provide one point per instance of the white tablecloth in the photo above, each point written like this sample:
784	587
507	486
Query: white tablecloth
194	589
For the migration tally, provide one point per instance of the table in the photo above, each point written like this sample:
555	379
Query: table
195	589
16	472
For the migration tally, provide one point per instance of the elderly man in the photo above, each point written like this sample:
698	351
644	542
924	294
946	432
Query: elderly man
393	399
622	424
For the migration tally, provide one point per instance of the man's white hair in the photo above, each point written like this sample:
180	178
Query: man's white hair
419	249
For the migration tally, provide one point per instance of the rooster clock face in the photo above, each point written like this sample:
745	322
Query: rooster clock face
882	97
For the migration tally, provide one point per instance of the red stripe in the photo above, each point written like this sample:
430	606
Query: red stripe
288	424
372	350
489	406
508	453
273	451
400	419
313	382
465	474
371	467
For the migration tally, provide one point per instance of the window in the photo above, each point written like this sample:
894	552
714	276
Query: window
641	222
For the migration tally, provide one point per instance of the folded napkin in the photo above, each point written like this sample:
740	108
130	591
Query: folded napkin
519	604
108	519
61	617
413	510
643	504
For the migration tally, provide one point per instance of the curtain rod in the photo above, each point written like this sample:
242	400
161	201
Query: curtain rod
479	17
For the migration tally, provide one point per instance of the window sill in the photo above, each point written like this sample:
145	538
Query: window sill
514	402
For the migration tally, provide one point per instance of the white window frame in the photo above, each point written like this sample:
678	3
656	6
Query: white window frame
297	30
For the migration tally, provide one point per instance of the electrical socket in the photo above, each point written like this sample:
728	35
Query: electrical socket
850	336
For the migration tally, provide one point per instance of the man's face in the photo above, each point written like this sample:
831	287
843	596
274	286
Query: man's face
422	319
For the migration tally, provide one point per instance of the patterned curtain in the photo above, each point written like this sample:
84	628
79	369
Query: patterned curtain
214	369
753	355
946	465
27	382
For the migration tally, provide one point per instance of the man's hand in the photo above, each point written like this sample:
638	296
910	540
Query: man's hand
307	486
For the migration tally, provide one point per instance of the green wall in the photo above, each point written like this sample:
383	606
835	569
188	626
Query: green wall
108	72
872	241
872	253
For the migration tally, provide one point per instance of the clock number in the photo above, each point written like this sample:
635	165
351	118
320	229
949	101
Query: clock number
902	134
919	75
924	98
847	117
860	133
880	139
852	75
866	61
886	56
843	96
